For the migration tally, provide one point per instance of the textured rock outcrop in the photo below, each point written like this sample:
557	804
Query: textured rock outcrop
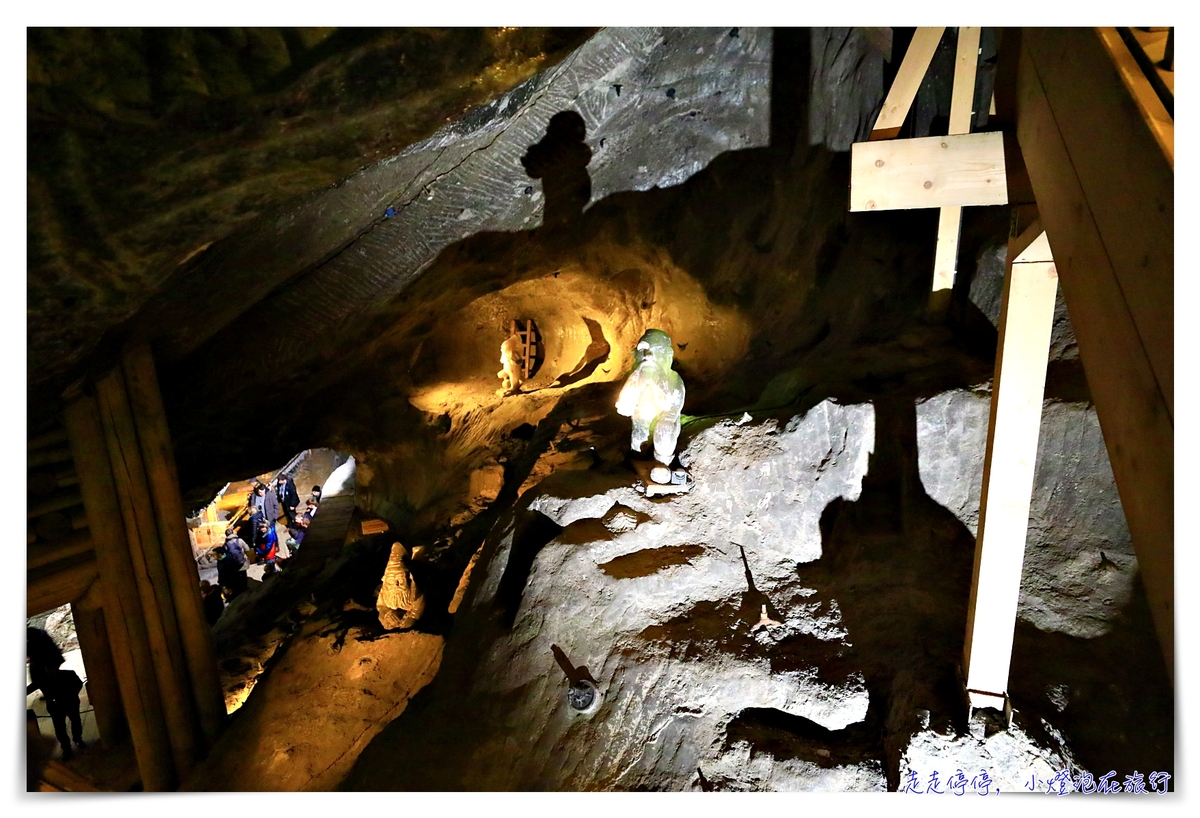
656	599
659	603
1079	562
987	290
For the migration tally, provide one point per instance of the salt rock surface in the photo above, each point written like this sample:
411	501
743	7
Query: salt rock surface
654	600
761	487
1079	565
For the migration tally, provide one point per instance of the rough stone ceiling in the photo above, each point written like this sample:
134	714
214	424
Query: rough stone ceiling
305	306
148	145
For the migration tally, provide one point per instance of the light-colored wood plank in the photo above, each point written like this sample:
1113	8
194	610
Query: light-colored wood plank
962	98
1133	412
934	171
945	259
908	81
962	95
1026	318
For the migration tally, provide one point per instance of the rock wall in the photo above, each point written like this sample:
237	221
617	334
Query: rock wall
719	649
1079	566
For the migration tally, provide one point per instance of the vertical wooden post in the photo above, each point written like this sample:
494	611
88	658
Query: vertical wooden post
159	459
1022	353
125	623
962	98
103	691
150	574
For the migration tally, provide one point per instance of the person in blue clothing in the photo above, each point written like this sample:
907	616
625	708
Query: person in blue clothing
266	546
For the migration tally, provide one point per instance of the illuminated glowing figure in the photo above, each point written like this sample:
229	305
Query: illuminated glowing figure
399	594
511	360
653	398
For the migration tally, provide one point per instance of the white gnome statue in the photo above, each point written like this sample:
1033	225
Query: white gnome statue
511	359
653	397
398	594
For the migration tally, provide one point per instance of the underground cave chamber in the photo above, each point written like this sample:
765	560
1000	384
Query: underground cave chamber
440	340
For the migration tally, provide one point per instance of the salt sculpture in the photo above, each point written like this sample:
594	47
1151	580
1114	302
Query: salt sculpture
511	359
399	593
653	398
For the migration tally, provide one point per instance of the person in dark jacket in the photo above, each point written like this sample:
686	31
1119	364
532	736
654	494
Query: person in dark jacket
59	686
254	522
214	605
288	497
231	564
299	528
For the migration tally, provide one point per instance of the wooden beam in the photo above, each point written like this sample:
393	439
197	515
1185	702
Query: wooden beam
1128	185
45	457
47	590
124	621
159	459
962	98
934	171
1022	353
945	259
962	95
149	570
64	499
62	778
1105	195
1160	122
58	435
38	555
908	81
103	691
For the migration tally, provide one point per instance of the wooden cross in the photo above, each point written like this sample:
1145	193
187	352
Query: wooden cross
949	172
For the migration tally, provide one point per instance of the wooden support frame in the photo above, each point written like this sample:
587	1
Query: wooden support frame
1022	354
1108	207
962	99
42	554
47	590
149	570
908	81
124	620
933	171
103	690
158	456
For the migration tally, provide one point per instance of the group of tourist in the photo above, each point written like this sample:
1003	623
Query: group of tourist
273	527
